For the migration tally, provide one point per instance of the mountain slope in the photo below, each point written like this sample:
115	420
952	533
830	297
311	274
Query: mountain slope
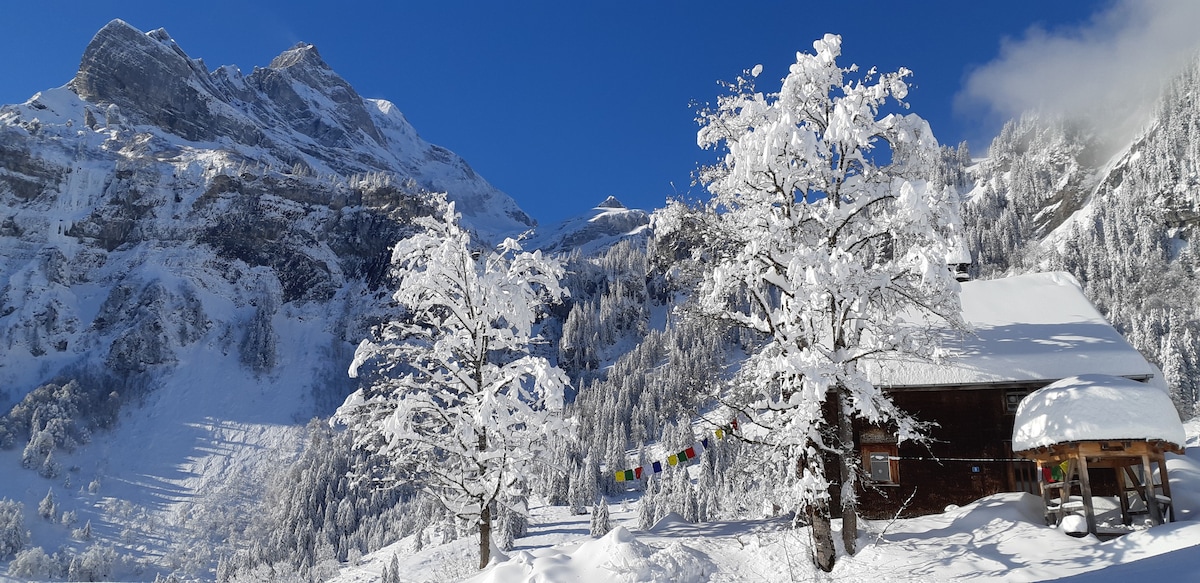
187	260
1124	224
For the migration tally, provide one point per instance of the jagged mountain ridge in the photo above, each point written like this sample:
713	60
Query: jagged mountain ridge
296	115
286	169
204	249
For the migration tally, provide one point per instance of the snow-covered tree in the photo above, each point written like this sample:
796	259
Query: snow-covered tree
47	508
93	564
646	511
391	571
13	535
601	521
824	234
83	534
31	564
455	399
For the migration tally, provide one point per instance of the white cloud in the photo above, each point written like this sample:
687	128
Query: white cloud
1109	69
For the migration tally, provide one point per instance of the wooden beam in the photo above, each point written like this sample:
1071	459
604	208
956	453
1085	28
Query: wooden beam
1085	485
1148	485
1166	483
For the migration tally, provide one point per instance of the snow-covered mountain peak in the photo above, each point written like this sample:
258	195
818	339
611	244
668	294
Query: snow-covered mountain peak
302	52
611	203
600	227
197	251
295	113
138	72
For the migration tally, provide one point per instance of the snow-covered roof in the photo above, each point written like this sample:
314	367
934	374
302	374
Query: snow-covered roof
1035	327
959	252
1095	408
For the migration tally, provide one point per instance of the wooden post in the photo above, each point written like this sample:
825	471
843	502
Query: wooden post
1161	460
1064	495
1129	483
1086	486
1148	486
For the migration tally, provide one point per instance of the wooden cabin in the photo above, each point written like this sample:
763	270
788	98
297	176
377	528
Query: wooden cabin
1079	427
1028	331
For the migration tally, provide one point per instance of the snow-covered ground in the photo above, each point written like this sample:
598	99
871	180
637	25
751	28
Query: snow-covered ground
998	538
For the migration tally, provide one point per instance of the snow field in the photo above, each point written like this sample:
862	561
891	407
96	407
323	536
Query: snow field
998	538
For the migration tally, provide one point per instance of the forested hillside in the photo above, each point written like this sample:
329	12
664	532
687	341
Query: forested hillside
1051	196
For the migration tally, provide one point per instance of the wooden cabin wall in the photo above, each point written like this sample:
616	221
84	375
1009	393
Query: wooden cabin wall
968	457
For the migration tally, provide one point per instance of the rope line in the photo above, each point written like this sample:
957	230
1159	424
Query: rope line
956	459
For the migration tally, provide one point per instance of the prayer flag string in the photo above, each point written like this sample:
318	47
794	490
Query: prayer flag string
632	474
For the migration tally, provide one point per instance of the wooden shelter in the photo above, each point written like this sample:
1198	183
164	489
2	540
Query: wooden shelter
1079	425
1027	332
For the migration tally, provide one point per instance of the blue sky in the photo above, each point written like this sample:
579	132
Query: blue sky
562	104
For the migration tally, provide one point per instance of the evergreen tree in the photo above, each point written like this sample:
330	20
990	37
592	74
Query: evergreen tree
13	535
47	508
601	523
580	490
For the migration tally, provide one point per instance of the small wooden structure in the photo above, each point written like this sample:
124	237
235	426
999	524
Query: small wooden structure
1141	473
1081	424
1027	331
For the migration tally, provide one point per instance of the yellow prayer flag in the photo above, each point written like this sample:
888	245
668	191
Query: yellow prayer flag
720	433
620	475
673	459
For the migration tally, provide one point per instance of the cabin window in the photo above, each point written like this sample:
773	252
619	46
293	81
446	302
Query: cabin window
880	463
1012	399
881	466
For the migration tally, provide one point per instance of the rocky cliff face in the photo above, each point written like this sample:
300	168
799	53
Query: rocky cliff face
149	188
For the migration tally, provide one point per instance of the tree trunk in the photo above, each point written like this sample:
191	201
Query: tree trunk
848	463
824	553
485	536
817	511
485	513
